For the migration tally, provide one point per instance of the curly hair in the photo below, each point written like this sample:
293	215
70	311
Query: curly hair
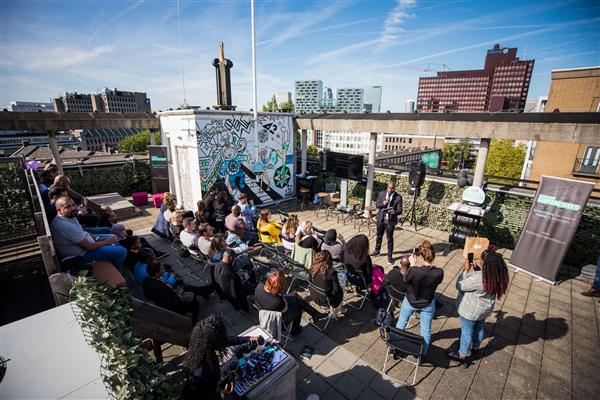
291	225
427	251
358	247
495	273
275	283
208	337
322	261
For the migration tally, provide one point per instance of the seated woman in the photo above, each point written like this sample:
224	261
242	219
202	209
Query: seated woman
478	290
422	282
268	296
201	214
331	244
323	276
268	230
358	261
161	226
307	238
288	232
217	246
107	216
176	222
201	364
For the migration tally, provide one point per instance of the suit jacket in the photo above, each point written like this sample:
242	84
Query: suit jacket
395	203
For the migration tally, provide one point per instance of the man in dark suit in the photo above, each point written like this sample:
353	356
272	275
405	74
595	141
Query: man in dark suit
389	207
230	283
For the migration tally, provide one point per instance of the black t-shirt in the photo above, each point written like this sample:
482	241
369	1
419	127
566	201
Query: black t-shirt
396	279
268	301
422	282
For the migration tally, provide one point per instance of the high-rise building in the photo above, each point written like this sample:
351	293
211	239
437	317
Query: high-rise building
410	105
350	99
105	101
29	106
502	84
308	94
283	97
372	99
327	93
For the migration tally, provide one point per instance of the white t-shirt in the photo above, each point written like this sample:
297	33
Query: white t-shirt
204	245
188	239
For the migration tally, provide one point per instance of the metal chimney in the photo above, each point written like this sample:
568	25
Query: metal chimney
222	69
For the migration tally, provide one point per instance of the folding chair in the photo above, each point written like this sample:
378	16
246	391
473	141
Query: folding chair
405	342
285	337
396	297
200	258
317	295
365	293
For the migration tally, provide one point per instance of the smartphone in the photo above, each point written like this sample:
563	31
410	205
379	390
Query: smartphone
416	251
470	258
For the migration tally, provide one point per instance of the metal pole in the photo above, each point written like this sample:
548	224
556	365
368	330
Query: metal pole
371	168
481	160
304	136
53	146
254	95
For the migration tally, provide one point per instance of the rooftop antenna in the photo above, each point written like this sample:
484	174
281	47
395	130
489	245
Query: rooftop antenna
181	56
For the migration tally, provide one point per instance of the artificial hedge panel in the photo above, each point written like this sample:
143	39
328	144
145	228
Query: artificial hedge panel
15	211
133	176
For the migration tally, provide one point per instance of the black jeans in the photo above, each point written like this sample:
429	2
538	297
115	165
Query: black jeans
294	312
389	230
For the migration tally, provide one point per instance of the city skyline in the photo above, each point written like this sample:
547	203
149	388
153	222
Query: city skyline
50	48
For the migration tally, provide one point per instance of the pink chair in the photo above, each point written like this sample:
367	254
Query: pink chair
140	198
157	199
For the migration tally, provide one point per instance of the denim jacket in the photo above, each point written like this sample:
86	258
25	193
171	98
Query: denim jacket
473	303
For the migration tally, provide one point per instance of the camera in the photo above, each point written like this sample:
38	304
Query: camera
416	251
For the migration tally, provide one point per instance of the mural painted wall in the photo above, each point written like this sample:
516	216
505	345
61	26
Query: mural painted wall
258	162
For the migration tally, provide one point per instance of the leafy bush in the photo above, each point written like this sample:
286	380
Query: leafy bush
137	143
133	176
16	219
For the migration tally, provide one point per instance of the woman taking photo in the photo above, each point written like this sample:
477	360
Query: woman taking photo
358	260
478	290
288	233
201	363
323	276
268	230
422	282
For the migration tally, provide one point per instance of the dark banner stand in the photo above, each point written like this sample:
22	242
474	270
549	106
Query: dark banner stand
159	170
550	226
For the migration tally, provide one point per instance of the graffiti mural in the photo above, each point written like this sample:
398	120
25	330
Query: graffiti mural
256	161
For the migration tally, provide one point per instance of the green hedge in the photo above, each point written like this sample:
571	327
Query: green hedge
123	179
16	219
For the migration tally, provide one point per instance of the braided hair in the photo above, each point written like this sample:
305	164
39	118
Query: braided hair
208	337
495	273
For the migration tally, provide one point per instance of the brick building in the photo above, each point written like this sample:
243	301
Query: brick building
502	84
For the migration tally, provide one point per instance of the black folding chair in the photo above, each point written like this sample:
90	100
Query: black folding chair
404	342
396	297
319	297
365	289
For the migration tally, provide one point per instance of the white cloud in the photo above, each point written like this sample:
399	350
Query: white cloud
39	57
393	22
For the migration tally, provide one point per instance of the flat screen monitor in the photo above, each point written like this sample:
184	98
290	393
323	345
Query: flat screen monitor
345	166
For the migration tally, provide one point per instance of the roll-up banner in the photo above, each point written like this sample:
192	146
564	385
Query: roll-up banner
159	169
550	226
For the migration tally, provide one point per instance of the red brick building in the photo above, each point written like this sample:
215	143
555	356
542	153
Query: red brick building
502	84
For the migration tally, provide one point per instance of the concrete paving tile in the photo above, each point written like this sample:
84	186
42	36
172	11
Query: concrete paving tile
522	380
344	358
369	394
329	371
362	371
332	394
349	386
553	386
313	384
385	386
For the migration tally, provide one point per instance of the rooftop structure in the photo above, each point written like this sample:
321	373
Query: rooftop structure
106	101
29	106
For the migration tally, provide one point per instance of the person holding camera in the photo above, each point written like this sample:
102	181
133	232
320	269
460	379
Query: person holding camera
389	206
422	282
478	288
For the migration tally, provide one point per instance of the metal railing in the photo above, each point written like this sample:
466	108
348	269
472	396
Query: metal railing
586	167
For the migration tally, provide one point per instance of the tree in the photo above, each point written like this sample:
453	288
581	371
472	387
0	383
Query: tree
271	105
505	159
312	150
137	143
288	106
456	155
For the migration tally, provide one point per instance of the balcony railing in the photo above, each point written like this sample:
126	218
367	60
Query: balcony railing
586	167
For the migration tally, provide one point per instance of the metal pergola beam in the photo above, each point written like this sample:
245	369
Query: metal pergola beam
62	121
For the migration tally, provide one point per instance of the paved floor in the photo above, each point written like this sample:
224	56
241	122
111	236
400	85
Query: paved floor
542	341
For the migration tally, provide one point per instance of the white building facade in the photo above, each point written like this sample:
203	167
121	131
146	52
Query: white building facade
372	99
308	95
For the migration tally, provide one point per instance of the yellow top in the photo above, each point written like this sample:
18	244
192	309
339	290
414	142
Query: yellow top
274	230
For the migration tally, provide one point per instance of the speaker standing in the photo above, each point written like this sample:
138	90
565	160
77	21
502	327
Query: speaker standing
389	207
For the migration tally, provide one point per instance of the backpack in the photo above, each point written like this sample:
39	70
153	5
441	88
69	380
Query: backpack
383	319
377	280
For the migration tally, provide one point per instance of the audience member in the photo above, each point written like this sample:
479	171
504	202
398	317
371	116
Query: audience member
248	210
161	226
201	214
146	257
217	246
84	216
357	258
54	195
288	232
268	296
268	230
422	282
44	179
324	276
188	236
235	286
171	206
334	247
221	210
478	288
395	278
52	169
107	216
176	222
234	222
133	245
201	364
70	240
163	295
209	205
119	231
206	233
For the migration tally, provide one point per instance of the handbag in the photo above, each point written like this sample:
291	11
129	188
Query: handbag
475	245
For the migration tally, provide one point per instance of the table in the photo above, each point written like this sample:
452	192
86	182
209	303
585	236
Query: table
49	359
368	219
322	196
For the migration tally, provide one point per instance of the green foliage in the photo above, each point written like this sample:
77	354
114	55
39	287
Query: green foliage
271	105
129	371
133	176
456	155
505	159
16	218
288	106
137	143
312	150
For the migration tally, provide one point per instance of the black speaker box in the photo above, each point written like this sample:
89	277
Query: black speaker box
416	173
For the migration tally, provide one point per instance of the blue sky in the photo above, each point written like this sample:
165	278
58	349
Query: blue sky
49	47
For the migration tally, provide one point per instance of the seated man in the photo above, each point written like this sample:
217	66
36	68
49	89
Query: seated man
235	286
54	195
145	257
86	218
70	240
163	295
188	236
395	278
235	222
206	233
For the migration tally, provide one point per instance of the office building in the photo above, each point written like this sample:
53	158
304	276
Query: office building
410	105
372	99
328	93
283	97
571	90
308	94
29	106
106	101
502	85
11	141
397	142
350	100
103	139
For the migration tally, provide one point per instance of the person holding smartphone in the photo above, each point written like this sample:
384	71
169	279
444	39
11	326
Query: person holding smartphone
201	363
478	289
